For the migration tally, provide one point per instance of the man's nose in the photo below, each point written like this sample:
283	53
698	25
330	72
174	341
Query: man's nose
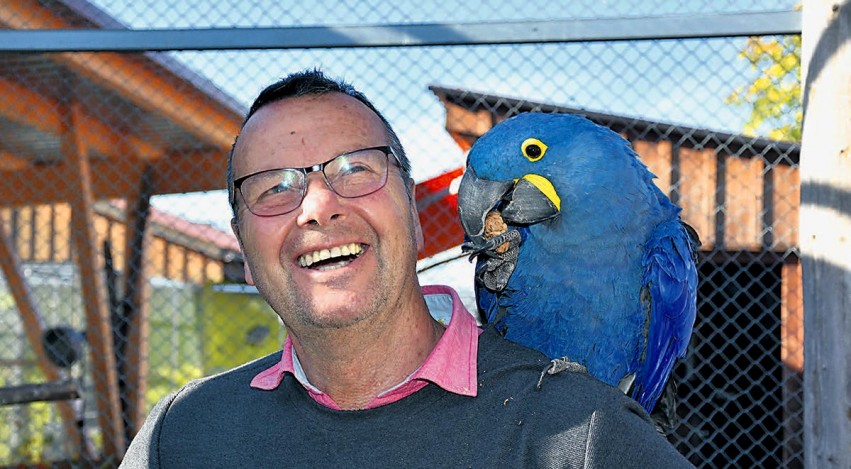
320	204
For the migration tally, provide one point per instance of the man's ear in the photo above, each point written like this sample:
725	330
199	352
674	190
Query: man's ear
234	226
415	216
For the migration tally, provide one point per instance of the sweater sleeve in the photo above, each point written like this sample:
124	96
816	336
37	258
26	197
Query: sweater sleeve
144	449
621	435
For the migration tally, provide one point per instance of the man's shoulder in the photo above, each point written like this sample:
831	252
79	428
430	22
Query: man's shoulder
497	354
597	425
505	364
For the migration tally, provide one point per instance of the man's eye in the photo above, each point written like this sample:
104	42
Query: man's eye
355	168
282	187
282	184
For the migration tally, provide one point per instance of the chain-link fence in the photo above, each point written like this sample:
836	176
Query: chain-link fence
121	280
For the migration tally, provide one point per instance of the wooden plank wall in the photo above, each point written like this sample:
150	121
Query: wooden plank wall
42	233
735	202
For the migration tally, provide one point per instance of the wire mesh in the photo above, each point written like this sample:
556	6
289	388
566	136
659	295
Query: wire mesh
115	223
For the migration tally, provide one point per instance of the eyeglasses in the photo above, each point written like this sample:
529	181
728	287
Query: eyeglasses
279	191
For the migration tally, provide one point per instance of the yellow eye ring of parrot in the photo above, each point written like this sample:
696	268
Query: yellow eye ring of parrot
533	149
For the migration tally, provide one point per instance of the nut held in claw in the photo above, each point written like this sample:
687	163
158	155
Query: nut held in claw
495	226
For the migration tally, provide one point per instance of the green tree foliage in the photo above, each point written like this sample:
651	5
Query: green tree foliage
28	425
775	95
166	379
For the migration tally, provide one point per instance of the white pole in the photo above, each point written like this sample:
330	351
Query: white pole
826	232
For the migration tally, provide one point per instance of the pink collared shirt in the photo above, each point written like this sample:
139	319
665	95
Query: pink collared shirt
451	365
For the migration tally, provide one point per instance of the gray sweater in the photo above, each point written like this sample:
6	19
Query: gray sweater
572	421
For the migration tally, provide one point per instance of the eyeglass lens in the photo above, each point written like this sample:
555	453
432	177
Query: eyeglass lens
349	175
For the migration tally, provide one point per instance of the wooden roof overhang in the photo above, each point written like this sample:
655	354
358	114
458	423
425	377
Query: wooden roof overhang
77	128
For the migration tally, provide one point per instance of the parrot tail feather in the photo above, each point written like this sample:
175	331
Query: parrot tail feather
664	414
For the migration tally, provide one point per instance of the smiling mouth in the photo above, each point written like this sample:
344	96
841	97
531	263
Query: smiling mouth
333	258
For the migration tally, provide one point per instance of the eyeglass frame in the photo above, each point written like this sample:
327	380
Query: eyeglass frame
306	170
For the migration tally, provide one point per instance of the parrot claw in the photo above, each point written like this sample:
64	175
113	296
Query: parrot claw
557	365
494	271
495	265
472	248
489	247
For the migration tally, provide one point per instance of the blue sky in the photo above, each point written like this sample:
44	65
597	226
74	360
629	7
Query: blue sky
143	14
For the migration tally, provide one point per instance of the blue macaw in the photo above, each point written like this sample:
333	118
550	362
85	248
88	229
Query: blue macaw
579	254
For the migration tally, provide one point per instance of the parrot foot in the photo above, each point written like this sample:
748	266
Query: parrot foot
494	267
558	365
489	247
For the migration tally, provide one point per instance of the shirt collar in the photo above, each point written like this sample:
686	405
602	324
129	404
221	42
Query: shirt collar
450	365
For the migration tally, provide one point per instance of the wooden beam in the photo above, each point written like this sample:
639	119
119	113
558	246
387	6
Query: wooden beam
136	78
111	179
825	226
697	193
135	308
10	162
98	328
792	356
792	318
785	206
191	171
658	158
24	14
34	329
744	203
24	106
466	122
189	108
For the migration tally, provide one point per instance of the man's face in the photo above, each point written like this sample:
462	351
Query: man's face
304	131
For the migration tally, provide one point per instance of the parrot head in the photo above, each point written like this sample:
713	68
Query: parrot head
559	177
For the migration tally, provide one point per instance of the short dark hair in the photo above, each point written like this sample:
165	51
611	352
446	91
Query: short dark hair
306	83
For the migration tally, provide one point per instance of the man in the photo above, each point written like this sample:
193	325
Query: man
325	215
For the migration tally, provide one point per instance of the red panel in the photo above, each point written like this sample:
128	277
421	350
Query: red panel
438	210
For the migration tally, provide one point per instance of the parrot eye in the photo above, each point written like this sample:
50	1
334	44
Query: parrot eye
533	149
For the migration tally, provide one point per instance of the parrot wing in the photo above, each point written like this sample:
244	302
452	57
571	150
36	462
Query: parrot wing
488	304
669	292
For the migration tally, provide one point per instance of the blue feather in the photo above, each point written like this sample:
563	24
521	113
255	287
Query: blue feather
670	277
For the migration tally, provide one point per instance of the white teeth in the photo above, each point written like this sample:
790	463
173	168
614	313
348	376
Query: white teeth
351	249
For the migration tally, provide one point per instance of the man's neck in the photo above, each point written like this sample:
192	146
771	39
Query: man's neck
352	366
